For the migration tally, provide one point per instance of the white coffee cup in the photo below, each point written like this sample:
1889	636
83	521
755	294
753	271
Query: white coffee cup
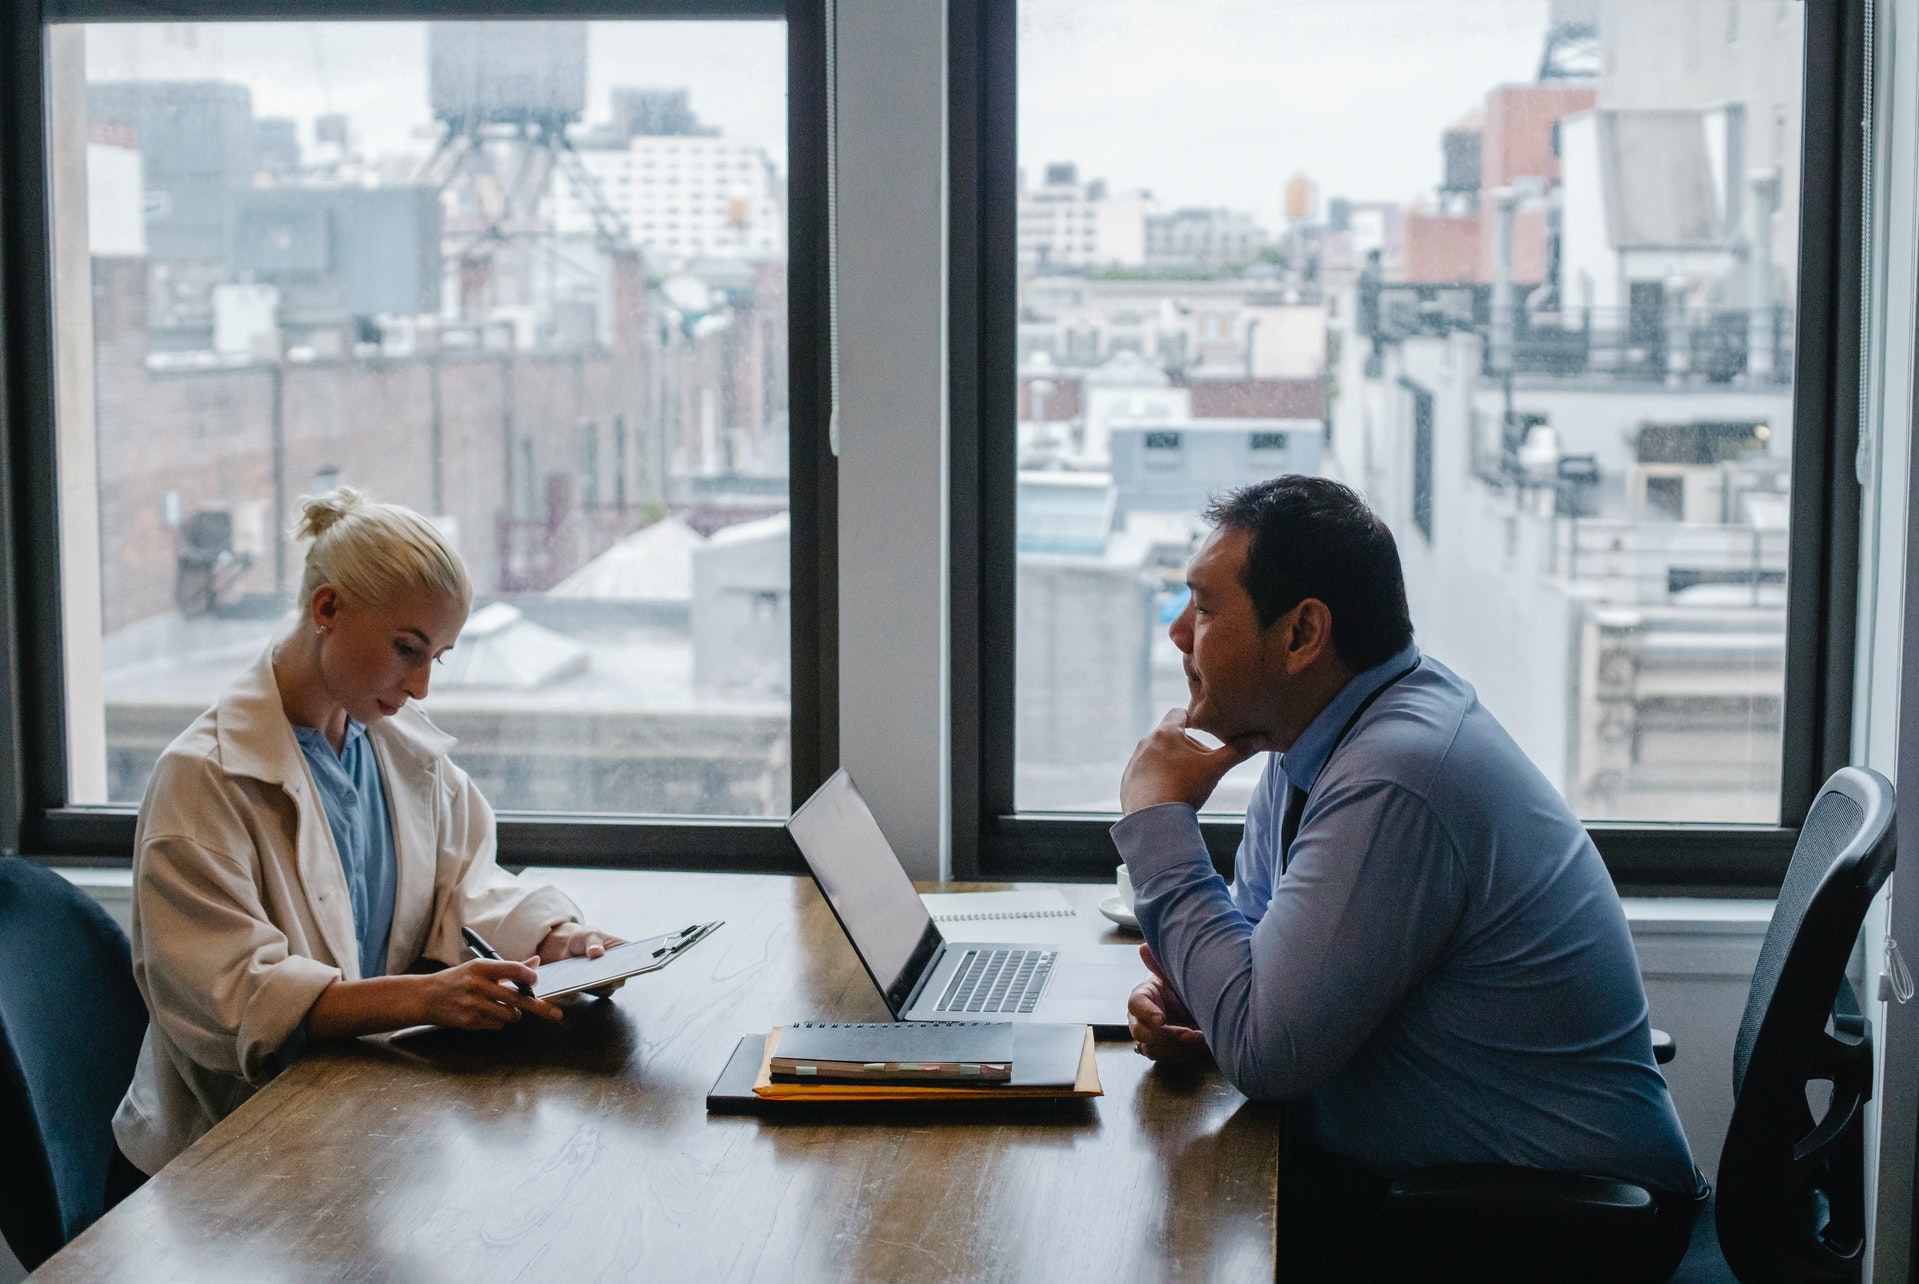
1124	881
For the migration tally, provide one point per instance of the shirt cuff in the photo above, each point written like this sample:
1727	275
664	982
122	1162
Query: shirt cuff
278	1008
292	1050
1155	839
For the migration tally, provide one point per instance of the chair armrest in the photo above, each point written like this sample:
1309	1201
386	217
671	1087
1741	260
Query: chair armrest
1663	1047
1500	1192
1511	1223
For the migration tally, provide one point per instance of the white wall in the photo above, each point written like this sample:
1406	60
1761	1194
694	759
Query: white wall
116	224
1886	658
1472	590
1697	959
78	470
892	475
1589	263
1603	421
1288	340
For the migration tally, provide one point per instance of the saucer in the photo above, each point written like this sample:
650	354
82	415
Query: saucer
1115	910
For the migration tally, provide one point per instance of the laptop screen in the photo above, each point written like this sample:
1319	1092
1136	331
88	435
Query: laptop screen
865	884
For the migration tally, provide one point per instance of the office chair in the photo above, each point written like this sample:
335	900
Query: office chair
71	1022
1791	1188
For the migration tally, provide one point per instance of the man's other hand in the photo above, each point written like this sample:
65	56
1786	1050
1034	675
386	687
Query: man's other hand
1161	1027
1170	766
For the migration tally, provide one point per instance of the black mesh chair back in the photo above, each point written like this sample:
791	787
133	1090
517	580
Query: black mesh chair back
1791	1199
71	1022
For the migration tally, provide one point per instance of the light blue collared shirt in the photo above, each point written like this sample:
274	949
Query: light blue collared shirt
354	799
1443	973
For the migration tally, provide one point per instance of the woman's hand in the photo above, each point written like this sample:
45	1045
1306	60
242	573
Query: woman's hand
577	940
481	995
473	996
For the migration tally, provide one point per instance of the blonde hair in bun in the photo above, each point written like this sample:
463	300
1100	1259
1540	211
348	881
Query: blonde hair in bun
376	553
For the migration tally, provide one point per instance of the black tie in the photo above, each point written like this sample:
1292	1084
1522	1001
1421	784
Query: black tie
1289	824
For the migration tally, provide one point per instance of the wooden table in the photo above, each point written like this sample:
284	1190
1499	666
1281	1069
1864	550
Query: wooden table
583	1152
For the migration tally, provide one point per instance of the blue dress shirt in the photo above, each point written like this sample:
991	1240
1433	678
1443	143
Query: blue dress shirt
1442	973
355	803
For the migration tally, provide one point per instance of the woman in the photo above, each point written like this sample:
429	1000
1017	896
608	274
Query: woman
306	844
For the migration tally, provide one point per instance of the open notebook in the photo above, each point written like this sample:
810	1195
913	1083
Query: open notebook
999	916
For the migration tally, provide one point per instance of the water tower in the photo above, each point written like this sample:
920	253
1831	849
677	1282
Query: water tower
1572	41
505	94
1302	200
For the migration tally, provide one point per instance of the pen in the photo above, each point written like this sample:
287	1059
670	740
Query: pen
477	943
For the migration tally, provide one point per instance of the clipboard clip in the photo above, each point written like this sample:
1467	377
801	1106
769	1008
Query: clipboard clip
686	938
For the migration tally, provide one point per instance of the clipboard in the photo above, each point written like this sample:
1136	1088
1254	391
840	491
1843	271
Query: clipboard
635	958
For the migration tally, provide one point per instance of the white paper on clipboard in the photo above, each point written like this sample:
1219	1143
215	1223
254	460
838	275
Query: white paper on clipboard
632	959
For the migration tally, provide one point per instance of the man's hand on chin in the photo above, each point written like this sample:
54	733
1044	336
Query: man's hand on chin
1170	766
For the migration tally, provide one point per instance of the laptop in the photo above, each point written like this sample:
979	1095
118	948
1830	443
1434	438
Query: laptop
921	975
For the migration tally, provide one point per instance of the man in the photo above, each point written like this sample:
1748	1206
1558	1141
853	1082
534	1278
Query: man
1421	948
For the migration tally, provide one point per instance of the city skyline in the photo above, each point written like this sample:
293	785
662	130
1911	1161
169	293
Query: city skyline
1109	87
376	72
1101	87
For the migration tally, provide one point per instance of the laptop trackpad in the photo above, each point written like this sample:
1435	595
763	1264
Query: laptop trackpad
1112	982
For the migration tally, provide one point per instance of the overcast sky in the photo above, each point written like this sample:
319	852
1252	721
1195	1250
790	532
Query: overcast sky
1218	102
1203	101
375	72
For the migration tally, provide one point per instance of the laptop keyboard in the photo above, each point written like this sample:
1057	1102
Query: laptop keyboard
998	981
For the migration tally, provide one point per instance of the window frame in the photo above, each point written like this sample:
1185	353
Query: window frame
993	840
35	817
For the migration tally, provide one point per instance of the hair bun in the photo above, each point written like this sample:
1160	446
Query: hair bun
319	512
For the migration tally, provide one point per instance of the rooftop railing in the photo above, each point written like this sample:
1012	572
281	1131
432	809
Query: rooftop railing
1665	341
1670	563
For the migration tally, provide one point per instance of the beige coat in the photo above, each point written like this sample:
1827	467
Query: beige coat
241	914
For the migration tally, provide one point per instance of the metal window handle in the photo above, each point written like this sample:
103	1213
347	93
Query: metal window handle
1895	979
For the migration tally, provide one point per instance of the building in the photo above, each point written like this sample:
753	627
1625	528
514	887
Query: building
340	257
1248	325
682	191
1743	59
116	199
658	112
534	457
1178	466
1064	223
1655	625
1500	165
1567	399
684	196
1202	240
198	148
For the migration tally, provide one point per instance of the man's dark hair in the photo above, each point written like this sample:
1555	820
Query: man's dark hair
1313	537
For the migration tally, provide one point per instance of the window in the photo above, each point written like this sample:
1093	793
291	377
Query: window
1594	369
280	263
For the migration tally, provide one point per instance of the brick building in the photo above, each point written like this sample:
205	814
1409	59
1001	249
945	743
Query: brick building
538	458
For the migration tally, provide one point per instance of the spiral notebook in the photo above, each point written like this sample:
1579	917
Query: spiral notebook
998	916
1048	1061
895	1052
